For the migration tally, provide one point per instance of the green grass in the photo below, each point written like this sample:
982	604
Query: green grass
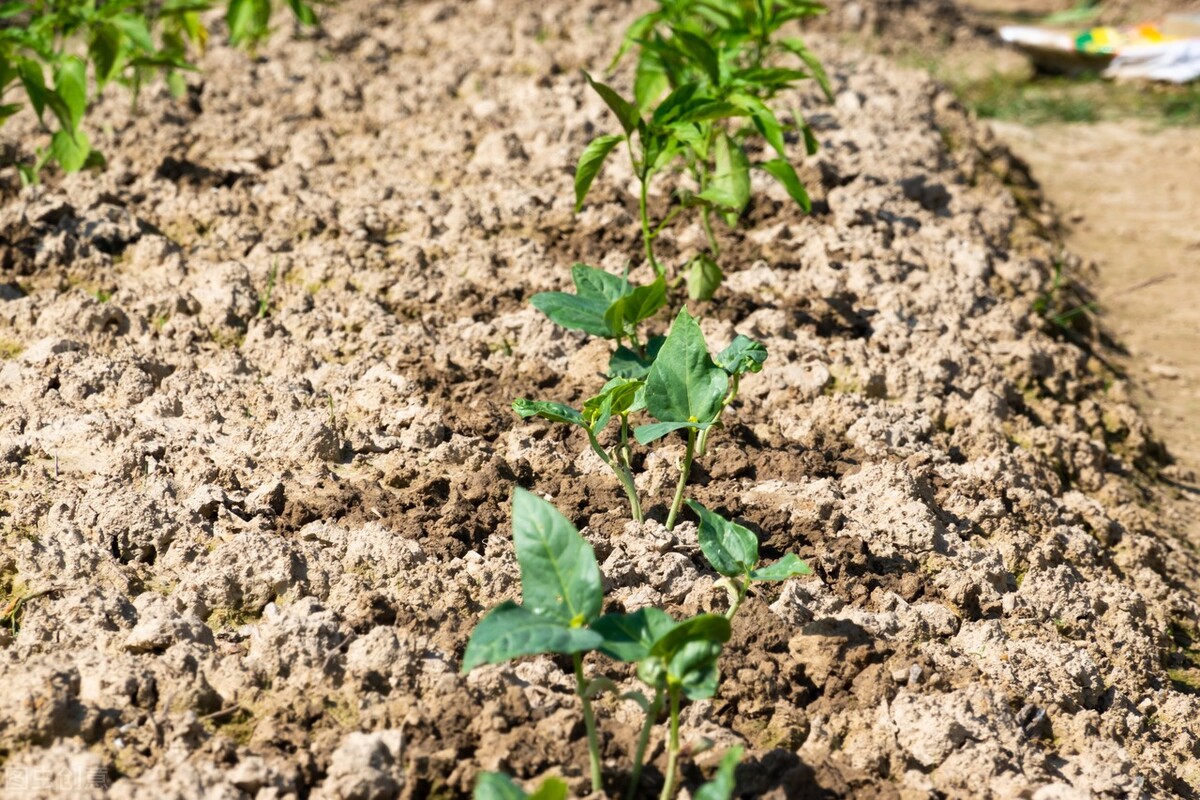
1046	99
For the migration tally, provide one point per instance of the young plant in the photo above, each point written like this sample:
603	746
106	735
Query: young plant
676	660
48	46
686	390
715	58
619	398
561	595
732	550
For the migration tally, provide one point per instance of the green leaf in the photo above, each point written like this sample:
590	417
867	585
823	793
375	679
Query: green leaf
764	119
303	12
555	412
640	303
709	628
135	29
559	574
70	149
497	786
70	86
35	84
629	637
645	434
694	666
625	363
626	113
723	783
590	163
729	187
701	53
550	789
650	80
105	50
619	396
742	355
683	384
596	291
797	47
731	549
8	109
510	631
782	171
787	567
703	278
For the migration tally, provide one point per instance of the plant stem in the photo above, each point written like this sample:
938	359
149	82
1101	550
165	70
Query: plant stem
589	721
705	218
672	746
647	236
737	594
621	469
639	756
684	470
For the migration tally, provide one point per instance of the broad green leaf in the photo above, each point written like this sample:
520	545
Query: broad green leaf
683	384
650	80
105	50
694	666
590	163
811	145
730	548
797	47
706	110
703	278
555	412
629	637
8	109
674	104
559	574
70	150
723	783
497	786
729	187
595	292
782	171
303	12
35	84
645	434
510	631
550	789
70	86
711	628
701	53
742	355
625	112
787	567
764	119
134	28
619	396
641	303
625	363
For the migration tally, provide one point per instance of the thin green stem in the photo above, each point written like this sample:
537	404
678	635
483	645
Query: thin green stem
639	756
647	236
737	593
706	219
589	721
684	470
672	746
620	468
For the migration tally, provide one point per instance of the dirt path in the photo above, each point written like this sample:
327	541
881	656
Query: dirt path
1132	196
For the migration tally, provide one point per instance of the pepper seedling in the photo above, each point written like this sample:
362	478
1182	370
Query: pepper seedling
561	594
732	550
619	398
686	390
604	305
716	58
723	783
675	660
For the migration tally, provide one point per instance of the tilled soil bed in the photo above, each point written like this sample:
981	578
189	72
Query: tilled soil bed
256	449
